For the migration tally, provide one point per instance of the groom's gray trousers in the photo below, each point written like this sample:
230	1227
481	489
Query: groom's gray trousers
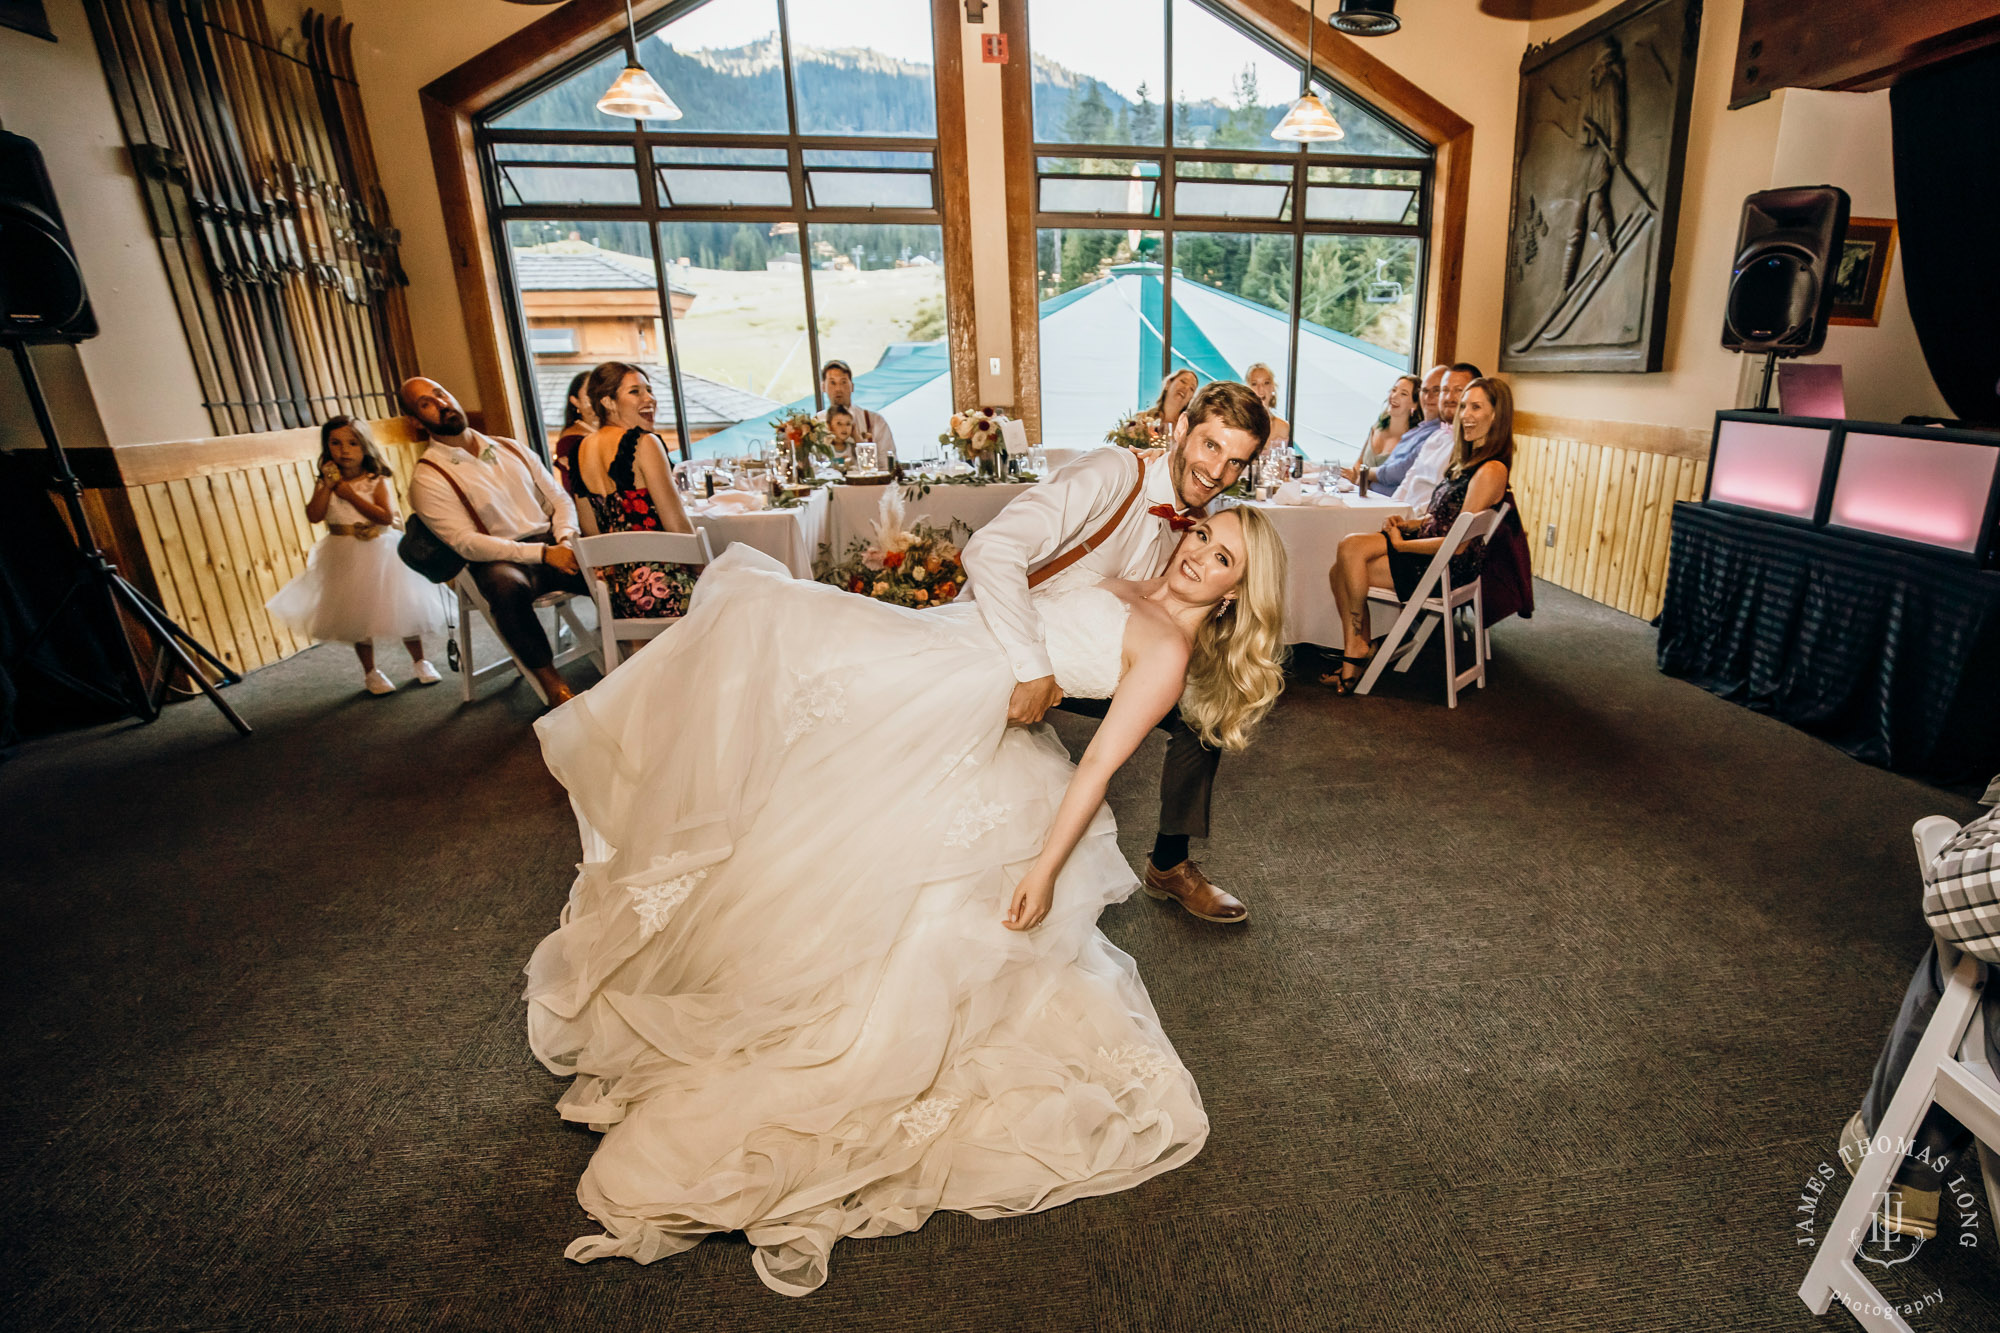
1187	779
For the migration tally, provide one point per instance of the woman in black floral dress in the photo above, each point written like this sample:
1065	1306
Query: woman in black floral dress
1397	556
622	476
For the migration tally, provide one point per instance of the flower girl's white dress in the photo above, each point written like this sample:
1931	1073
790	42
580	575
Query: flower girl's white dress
357	589
781	980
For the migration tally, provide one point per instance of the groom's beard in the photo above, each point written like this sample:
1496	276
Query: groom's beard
450	425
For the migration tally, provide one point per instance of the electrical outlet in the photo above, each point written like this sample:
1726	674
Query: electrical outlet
1550	538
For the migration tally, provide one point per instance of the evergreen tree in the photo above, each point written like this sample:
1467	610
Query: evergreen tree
1089	119
1145	120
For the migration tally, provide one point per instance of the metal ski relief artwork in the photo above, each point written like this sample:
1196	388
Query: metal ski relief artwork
1599	145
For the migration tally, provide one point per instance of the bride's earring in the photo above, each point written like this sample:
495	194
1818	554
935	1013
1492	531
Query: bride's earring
1228	604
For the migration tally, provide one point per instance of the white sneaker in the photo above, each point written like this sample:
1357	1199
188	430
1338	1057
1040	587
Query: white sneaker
378	683
427	674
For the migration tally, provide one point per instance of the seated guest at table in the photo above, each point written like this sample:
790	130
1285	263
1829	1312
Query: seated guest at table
1962	905
626	484
1439	398
1400	412
1434	456
840	424
496	505
578	421
837	382
1397	556
1176	392
1265	385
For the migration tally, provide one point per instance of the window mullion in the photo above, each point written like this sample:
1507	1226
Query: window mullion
796	165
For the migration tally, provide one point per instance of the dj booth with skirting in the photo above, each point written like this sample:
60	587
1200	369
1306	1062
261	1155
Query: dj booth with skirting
1835	578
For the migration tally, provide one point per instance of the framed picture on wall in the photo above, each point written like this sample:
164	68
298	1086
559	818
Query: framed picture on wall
1600	140
1863	272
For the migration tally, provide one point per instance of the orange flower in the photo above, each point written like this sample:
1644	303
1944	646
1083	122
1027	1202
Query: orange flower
892	559
947	590
922	597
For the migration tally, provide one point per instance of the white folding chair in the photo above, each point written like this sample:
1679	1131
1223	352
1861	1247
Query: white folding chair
567	632
624	548
1950	1070
1435	602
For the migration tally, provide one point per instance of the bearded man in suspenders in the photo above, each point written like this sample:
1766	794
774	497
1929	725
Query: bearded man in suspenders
1118	514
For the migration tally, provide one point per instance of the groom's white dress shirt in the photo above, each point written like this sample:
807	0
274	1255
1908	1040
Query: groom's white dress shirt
518	500
1047	519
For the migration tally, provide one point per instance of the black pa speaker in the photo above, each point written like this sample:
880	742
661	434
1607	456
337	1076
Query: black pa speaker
1781	288
42	297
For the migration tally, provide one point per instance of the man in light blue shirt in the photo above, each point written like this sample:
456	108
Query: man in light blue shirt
1384	480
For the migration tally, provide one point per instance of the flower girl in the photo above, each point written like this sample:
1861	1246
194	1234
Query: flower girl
355	588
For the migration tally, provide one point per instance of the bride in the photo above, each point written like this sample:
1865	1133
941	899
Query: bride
831	962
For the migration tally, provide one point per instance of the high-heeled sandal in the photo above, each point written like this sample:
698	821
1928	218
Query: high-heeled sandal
1343	684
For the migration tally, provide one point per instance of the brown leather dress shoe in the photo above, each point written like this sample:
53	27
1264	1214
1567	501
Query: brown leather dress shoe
1186	885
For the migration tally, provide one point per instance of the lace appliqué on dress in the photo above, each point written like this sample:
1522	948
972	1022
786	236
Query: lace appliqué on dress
923	1119
973	821
815	700
655	903
1135	1062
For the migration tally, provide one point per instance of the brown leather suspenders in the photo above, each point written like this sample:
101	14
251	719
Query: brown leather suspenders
1044	573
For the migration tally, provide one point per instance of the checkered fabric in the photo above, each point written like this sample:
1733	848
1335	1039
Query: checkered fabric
1962	889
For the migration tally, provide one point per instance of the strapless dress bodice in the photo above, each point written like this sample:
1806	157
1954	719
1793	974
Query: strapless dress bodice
1084	628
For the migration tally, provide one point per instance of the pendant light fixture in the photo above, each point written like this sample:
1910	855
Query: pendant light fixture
1366	18
635	93
1308	121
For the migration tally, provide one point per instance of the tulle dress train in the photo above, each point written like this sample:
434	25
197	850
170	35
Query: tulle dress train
781	982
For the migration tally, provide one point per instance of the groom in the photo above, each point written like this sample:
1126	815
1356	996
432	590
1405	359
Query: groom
1117	514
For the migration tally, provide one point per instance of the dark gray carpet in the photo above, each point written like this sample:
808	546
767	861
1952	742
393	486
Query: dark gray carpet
1547	1009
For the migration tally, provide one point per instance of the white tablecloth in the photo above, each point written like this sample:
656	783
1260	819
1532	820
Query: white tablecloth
792	536
852	509
1312	534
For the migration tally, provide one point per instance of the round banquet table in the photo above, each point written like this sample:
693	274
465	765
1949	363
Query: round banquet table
1312	534
791	536
851	510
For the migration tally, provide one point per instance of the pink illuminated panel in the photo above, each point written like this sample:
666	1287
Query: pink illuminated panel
1924	490
1775	468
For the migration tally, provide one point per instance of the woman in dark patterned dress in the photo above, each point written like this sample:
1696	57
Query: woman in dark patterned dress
622	476
1397	556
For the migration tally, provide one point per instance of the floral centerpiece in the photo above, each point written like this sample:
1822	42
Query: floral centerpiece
917	566
976	435
1134	432
802	437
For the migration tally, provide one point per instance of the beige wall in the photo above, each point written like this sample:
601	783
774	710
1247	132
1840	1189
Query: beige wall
55	94
1729	155
1843	139
399	46
1794	138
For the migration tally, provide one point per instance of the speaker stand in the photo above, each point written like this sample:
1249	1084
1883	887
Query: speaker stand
1764	389
101	590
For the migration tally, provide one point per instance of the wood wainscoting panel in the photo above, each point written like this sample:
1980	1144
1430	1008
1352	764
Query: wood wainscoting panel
1607	489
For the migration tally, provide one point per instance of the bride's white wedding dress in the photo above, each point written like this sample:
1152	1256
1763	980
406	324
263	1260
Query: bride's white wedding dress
782	981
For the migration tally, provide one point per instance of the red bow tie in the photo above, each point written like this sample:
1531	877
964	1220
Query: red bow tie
1177	521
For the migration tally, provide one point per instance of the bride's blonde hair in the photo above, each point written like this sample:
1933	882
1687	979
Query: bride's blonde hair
1236	670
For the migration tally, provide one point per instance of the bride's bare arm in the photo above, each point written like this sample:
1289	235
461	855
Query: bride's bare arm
1150	686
